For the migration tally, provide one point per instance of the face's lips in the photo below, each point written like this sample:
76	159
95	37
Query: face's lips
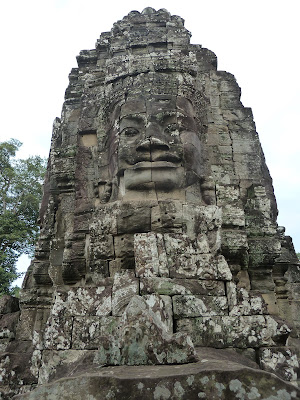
165	160
154	164
169	157
158	160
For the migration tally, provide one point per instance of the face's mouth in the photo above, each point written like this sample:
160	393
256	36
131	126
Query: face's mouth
154	164
165	160
168	157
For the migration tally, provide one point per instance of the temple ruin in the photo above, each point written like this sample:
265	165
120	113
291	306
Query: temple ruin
160	271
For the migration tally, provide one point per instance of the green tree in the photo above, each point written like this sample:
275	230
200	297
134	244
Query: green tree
20	195
298	255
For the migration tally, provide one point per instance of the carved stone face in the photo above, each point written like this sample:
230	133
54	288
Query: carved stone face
158	143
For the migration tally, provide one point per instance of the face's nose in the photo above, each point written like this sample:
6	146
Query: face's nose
151	144
153	140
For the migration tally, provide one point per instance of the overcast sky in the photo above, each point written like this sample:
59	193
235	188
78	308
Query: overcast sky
257	41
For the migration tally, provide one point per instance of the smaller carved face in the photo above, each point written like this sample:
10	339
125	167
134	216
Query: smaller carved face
158	143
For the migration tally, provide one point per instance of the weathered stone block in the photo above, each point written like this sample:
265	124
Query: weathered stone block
81	223
271	303
293	273
171	287
241	302
199	219
248	352
55	364
295	309
26	324
180	247
8	325
40	273
294	289
188	306
233	216
102	246
133	218
146	254
228	331
224	379
263	251
161	306
9	304
58	331
14	375
222	269
83	301
281	361
145	340
88	332
150	255
243	279
178	244
124	288
201	266
100	268
105	220
167	217
114	267
123	246
228	194
229	101
235	245
163	268
261	279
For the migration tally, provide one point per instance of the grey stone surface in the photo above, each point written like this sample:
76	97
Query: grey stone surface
218	375
188	306
280	360
174	286
145	336
228	331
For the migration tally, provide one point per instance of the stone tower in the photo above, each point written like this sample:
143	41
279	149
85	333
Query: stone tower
159	245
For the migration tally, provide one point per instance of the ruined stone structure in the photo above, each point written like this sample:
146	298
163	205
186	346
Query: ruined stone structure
160	271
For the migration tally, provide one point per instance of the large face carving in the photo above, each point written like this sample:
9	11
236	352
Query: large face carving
155	143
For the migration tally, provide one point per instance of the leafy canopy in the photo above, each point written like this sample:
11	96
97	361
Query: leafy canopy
20	195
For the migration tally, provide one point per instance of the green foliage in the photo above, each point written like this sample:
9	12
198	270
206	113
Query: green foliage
298	255
20	195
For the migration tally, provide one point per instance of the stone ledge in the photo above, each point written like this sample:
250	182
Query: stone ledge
217	375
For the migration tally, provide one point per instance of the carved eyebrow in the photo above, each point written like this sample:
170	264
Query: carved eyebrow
182	114
133	117
162	116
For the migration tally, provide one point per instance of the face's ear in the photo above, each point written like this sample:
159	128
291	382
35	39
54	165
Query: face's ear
104	191
192	152
185	106
109	151
112	150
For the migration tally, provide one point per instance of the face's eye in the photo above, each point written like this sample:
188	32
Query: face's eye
130	132
171	128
